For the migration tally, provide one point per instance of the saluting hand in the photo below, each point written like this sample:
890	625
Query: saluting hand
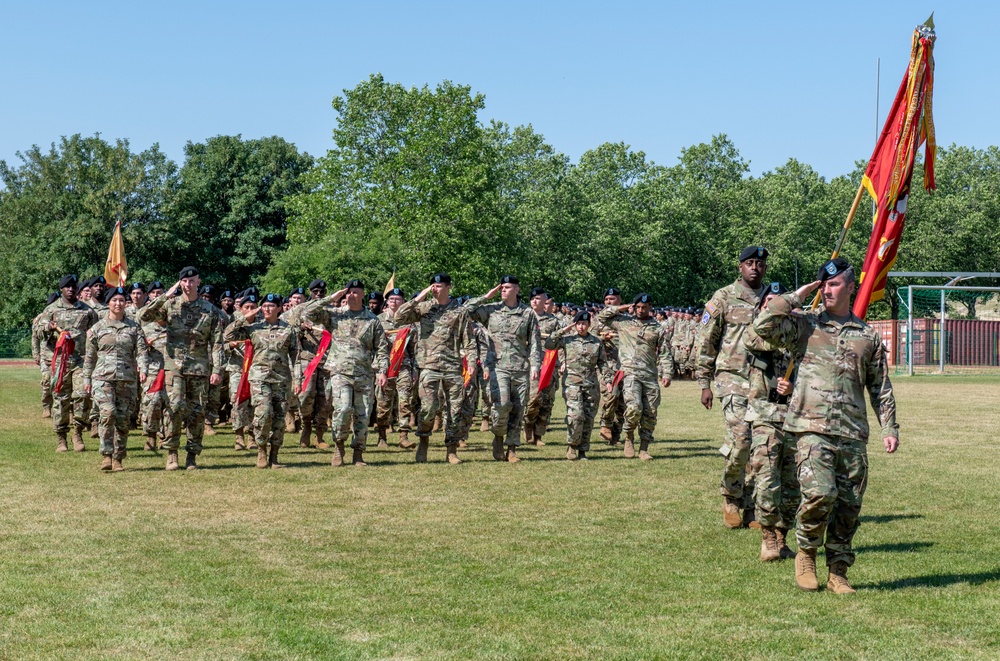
422	295
805	290
493	292
251	314
170	293
337	295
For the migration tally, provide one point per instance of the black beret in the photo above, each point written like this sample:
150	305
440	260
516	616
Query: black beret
187	272
776	288
298	290
226	293
582	315
376	296
155	284
317	284
208	289
832	268
248	298
251	291
98	280
612	291
52	297
85	284
354	284
272	298
509	280
753	251
114	291
396	291
441	278
67	281
137	285
538	291
642	297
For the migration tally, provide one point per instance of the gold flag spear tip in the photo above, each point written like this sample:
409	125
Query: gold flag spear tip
930	21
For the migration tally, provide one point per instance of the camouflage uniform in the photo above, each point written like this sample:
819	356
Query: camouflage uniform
486	362
723	357
76	318
153	403
612	403
116	356
443	336
241	415
518	347
215	392
772	452
357	344
645	357
397	394
539	410
313	405
270	374
193	353
680	342
586	367
841	363
42	350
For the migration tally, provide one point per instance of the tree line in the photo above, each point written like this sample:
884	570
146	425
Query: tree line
416	182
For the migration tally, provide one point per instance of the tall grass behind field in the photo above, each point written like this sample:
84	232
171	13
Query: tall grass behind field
610	558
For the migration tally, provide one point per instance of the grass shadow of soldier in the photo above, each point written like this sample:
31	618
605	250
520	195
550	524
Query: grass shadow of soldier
934	581
887	518
902	547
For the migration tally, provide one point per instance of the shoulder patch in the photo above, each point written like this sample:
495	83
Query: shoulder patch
710	308
705	318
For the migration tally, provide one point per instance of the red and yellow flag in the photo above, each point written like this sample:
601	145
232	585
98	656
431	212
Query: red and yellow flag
548	367
243	389
116	268
890	169
398	352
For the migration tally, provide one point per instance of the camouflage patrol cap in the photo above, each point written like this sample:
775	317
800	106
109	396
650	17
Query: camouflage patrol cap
68	281
832	268
396	291
440	279
509	280
114	291
753	252
187	272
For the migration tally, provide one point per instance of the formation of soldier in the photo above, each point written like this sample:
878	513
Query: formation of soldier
182	360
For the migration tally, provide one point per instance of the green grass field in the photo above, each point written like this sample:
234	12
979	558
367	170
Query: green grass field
610	558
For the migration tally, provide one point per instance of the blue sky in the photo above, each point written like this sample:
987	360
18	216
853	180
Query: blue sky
781	79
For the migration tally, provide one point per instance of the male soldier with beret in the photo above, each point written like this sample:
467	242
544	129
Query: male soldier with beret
722	365
842	363
612	402
539	409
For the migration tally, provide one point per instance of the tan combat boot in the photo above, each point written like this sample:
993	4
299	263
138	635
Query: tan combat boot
191	461
46	411
749	519
251	441
606	433
61	446
786	553
240	443
95	429
512	457
421	457
805	570
404	440
438	423
629	444
383	444
150	442
305	438
538	440
78	439
453	454
106	463
320	443
485	426
357	459
272	458
116	465
837	582
529	435
172	460
731	513
769	545
644	451
209	430
498	448
289	422
463	444
338	454
261	456
571	453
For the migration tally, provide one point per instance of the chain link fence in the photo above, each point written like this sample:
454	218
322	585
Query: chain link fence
15	342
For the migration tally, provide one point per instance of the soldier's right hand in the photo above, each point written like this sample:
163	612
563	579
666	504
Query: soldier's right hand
422	295
173	290
493	292
251	314
706	398
805	290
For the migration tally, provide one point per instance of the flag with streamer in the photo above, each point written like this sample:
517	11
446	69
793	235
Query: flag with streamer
398	352
65	346
158	382
243	390
116	268
887	178
548	367
389	286
324	344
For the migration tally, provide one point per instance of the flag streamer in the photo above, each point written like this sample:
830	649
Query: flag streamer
116	267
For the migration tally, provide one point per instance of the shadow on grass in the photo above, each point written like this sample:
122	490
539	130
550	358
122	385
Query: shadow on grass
934	581
903	547
886	518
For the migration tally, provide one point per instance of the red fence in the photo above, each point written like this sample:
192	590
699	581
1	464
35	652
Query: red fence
968	342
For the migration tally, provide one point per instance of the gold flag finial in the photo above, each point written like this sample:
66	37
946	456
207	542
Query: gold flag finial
930	21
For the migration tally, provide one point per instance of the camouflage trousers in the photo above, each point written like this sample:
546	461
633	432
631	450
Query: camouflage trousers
114	400
833	475
241	416
486	412
395	397
186	397
444	393
772	461
352	399
613	410
539	409
45	365
642	400
314	401
268	401
71	402
213	403
737	481
582	402
153	404
509	394
470	401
